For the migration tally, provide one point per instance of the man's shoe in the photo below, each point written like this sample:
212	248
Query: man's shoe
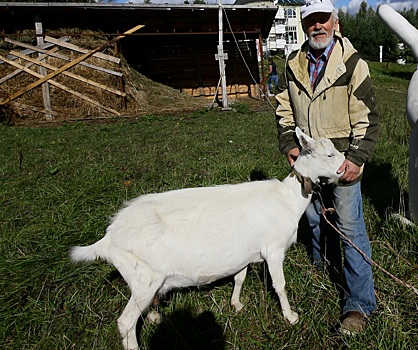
353	323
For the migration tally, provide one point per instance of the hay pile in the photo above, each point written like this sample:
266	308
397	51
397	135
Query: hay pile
143	96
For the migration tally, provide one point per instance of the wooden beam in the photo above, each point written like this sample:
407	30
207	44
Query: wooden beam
30	49
79	49
42	70
67	66
60	86
58	55
17	71
69	74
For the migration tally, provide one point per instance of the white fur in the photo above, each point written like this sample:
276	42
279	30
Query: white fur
195	236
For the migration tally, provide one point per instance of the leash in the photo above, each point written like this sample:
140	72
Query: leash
325	210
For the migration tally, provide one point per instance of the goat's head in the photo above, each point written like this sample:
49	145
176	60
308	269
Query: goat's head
319	160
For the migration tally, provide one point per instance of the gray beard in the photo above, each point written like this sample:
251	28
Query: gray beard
320	45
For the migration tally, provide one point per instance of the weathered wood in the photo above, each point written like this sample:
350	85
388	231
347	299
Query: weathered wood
67	66
61	56
79	49
60	86
28	51
35	109
69	74
45	86
17	71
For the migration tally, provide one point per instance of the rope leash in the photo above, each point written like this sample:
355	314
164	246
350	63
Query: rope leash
324	210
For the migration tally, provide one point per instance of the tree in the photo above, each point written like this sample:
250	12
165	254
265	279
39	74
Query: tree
367	33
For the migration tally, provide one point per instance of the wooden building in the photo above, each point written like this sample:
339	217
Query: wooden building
178	44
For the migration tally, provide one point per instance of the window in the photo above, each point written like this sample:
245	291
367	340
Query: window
279	21
290	13
292	37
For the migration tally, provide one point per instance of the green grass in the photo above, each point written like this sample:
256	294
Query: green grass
60	185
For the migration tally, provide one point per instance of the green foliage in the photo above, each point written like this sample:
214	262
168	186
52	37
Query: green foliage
368	32
61	184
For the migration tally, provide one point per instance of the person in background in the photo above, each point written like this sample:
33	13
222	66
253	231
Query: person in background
327	91
272	76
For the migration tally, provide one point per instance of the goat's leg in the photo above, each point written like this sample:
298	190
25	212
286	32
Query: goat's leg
127	324
238	281
275	265
142	296
144	285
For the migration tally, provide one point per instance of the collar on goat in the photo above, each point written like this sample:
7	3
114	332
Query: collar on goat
307	184
310	187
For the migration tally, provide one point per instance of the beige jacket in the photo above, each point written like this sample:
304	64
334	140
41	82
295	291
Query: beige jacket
342	107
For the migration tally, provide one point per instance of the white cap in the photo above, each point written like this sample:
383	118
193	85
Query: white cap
313	6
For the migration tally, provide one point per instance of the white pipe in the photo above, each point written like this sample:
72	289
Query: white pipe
409	34
405	30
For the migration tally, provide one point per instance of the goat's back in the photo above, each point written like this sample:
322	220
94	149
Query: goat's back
208	228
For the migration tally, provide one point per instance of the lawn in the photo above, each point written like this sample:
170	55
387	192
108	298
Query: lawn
61	184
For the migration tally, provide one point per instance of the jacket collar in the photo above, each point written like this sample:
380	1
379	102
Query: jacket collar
334	69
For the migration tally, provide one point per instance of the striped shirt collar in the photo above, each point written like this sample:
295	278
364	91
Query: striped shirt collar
325	55
316	65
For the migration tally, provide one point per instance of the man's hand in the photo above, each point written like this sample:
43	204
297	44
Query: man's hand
351	171
292	155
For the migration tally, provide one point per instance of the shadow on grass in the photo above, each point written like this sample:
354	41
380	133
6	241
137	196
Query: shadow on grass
182	330
383	190
401	75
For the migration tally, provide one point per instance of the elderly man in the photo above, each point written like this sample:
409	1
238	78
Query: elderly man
326	90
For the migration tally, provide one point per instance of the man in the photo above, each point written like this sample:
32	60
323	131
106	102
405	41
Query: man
326	90
272	77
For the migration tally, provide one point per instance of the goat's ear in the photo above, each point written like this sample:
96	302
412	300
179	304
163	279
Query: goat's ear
305	141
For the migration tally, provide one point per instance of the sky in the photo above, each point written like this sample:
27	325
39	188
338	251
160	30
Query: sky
352	6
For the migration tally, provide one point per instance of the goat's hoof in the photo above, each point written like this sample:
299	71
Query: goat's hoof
293	318
238	306
154	317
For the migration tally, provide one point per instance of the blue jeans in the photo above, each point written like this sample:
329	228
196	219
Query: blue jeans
357	283
272	79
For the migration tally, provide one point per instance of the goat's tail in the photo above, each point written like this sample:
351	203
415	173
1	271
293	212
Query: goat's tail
96	251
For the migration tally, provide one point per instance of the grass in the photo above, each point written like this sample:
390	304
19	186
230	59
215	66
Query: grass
60	185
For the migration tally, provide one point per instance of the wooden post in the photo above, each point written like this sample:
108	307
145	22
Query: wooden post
263	76
121	80
221	57
42	70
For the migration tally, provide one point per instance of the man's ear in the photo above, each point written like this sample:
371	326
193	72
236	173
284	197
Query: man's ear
337	25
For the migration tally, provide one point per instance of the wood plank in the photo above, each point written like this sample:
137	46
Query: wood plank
60	86
36	109
28	51
80	49
45	86
69	74
17	71
67	66
63	57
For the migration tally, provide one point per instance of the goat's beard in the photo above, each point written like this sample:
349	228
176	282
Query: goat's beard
320	44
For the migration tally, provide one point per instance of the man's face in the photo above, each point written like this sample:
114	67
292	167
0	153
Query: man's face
320	28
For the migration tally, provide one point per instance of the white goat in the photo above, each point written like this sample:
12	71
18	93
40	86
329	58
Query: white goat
195	236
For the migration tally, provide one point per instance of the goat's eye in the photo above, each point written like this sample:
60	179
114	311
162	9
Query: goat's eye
331	155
